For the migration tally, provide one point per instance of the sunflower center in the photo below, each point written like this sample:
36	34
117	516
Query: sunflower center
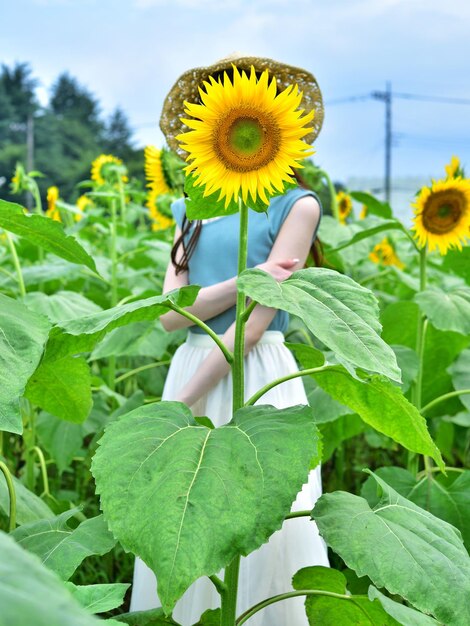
442	212
246	139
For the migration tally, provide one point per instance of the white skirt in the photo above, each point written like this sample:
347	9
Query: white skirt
268	571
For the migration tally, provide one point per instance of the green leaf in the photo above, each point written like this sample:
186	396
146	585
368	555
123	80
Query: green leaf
458	262
307	355
62	440
200	207
381	405
330	611
82	334
139	339
334	433
460	372
447	310
152	617
61	548
374	206
402	613
43	232
338	311
29	507
400	547
45	603
63	388
23	335
370	232
448	500
211	617
60	306
99	598
187	499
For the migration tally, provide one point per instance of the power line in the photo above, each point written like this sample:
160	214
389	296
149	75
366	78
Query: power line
443	99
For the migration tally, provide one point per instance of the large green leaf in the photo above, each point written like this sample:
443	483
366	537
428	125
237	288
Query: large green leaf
330	611
460	372
60	306
402	613
187	498
61	548
99	598
140	339
341	313
379	227
62	387
32	595
62	440
29	507
152	617
447	499
44	232
400	547
458	261
23	335
374	206
82	334
381	405
447	310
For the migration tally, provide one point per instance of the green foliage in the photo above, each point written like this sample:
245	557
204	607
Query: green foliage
180	477
98	598
447	310
394	543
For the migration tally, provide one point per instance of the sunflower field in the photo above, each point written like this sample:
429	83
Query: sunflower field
381	335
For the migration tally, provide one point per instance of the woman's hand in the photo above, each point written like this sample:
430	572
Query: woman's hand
279	269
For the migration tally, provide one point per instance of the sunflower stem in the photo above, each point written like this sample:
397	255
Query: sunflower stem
114	298
229	595
332	190
416	390
12	496
16	263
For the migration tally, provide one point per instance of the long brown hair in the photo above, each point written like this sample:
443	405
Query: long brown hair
316	250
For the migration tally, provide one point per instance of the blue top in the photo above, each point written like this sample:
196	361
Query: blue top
215	256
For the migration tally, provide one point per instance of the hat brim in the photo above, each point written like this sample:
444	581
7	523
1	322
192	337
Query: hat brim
186	88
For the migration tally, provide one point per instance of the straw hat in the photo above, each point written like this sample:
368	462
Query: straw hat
186	89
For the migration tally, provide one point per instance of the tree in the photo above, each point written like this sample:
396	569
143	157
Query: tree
70	100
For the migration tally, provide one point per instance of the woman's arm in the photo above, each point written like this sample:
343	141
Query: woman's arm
294	238
211	300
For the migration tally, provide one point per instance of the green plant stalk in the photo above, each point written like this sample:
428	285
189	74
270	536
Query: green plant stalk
332	190
229	596
114	298
16	263
278	381
291	594
42	463
416	389
122	200
12	496
142	368
34	189
443	398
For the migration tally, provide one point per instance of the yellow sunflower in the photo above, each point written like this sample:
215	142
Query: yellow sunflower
454	169
52	210
82	203
154	171
363	212
160	221
385	254
245	138
98	168
442	214
344	205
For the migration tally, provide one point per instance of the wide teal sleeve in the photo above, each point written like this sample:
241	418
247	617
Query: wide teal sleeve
283	206
178	208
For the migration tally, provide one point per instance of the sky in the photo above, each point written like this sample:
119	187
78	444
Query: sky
129	53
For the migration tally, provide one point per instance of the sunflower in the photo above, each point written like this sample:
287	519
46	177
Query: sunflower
52	210
82	203
245	137
363	212
154	170
442	214
344	205
98	168
454	169
385	254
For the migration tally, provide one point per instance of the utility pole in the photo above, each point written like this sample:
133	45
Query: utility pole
386	96
29	153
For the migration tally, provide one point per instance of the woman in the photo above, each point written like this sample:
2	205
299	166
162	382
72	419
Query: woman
205	253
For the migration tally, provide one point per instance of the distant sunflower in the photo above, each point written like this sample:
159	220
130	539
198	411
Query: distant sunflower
363	212
442	214
454	169
82	203
154	171
245	138
160	221
384	254
52	210
344	205
98	168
